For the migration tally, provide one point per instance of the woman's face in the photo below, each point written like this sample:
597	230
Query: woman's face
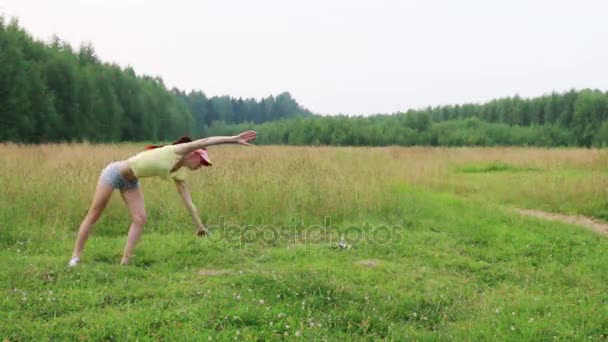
193	161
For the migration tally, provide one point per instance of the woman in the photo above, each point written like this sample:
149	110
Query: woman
170	161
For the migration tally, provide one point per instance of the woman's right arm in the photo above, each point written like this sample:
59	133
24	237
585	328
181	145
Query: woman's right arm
242	138
185	195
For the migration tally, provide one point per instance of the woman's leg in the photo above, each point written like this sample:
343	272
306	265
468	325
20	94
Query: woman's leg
102	195
134	199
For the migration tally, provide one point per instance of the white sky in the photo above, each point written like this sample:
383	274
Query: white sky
342	56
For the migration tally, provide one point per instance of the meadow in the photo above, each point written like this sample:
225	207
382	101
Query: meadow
317	243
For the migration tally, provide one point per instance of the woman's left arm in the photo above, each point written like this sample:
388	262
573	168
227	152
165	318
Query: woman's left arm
185	194
242	138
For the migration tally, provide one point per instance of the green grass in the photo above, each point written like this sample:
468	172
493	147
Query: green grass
493	167
487	274
435	258
560	190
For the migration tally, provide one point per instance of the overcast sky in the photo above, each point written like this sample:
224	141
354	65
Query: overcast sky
342	56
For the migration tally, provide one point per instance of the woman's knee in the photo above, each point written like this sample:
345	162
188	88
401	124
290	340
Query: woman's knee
93	215
139	218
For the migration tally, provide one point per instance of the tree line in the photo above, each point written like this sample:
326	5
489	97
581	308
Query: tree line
573	118
52	92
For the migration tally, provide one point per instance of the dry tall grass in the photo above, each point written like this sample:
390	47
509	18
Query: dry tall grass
47	188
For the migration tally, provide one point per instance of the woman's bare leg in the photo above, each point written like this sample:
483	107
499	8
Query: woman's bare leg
134	199
102	195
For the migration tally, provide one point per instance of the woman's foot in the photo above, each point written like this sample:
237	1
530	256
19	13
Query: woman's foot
73	262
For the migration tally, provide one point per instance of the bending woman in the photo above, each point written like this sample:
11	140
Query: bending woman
170	161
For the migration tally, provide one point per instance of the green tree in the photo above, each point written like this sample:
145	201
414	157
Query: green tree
590	111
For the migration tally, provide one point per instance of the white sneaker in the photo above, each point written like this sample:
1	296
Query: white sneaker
73	262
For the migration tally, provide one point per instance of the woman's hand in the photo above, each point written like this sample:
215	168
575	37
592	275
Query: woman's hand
245	137
201	230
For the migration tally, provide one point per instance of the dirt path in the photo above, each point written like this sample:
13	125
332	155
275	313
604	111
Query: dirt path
579	220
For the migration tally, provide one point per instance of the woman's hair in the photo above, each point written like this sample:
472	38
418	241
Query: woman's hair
181	140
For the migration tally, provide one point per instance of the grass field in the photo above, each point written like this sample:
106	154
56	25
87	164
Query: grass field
436	250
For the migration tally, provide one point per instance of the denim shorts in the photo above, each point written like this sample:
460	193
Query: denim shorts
111	176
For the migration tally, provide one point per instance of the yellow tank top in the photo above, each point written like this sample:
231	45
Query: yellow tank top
157	163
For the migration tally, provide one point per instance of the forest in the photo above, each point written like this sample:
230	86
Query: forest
574	118
52	92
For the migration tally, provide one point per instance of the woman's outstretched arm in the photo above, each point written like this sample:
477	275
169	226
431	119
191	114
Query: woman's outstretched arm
185	194
242	138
